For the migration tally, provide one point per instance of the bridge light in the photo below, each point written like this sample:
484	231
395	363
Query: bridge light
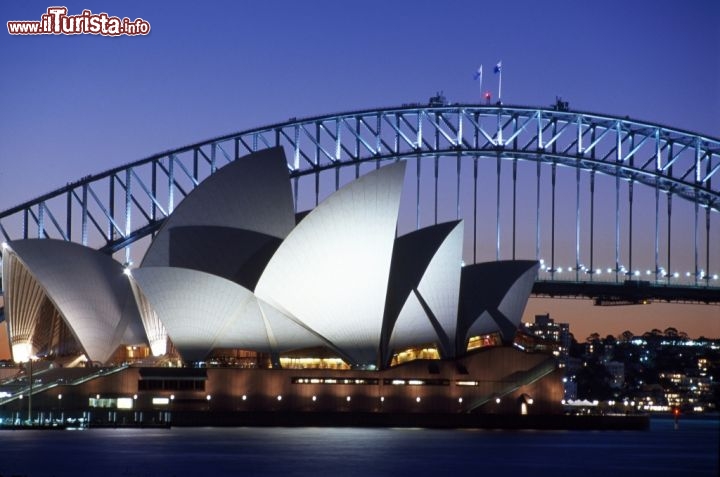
559	270
715	277
609	270
687	274
676	274
598	271
637	273
648	272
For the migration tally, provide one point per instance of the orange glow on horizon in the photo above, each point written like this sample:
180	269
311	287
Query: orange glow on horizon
585	318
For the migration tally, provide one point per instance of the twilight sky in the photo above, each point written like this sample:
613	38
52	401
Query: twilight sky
77	105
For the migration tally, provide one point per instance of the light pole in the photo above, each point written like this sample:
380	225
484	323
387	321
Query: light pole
62	415
30	384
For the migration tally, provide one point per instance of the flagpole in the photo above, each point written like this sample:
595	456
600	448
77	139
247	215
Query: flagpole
479	77
481	84
500	86
498	71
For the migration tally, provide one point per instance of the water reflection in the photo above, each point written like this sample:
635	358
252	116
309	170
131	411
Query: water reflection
691	450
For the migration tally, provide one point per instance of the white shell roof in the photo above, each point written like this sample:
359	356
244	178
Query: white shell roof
331	272
440	284
250	198
516	297
89	290
496	291
154	329
202	312
331	280
439	287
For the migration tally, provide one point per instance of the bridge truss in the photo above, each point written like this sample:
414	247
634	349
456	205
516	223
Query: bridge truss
577	167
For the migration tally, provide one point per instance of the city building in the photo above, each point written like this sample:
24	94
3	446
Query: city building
616	369
545	335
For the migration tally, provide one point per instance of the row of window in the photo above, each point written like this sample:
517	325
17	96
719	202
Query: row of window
199	385
301	380
387	381
171	385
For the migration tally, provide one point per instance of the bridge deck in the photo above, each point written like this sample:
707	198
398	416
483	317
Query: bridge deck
627	293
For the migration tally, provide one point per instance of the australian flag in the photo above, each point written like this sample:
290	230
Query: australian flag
498	67
478	73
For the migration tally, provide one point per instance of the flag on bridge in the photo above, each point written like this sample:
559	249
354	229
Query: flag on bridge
478	73
478	76
498	67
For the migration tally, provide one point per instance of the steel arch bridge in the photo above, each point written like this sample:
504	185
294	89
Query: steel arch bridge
616	165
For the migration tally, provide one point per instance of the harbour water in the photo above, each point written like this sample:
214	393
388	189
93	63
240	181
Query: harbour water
690	450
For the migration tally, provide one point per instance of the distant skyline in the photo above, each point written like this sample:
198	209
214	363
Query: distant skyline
82	104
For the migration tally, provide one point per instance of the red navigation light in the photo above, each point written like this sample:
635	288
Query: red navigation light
487	95
676	412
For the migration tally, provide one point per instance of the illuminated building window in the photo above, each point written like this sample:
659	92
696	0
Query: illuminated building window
313	363
483	341
125	403
333	380
238	358
104	402
417	382
136	352
412	354
312	358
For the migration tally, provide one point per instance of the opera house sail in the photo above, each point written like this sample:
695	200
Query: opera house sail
235	272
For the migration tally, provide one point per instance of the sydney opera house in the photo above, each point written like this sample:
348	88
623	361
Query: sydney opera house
242	304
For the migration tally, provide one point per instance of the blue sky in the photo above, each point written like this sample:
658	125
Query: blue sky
77	105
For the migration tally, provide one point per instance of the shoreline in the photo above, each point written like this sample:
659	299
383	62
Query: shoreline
553	422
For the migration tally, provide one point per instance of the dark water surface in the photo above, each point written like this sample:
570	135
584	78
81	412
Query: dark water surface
691	450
